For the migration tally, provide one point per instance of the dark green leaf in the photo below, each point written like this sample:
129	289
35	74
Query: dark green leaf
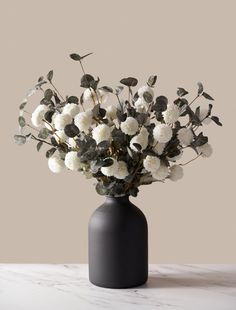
73	99
107	89
101	190
48	94
50	75
71	130
160	104
152	80
40	79
200	140
147	97
207	96
216	120
137	146
48	116
197	112
21	121
181	92
50	152
200	88
107	162
104	145
44	133
86	80
23	104
95	110
94	84
19	139
130	81
39	145
75	57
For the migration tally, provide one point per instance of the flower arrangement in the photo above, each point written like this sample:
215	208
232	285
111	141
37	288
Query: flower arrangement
135	141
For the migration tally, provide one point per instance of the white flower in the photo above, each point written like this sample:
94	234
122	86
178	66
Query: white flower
122	171
72	143
205	149
162	133
38	115
101	133
151	163
159	148
176	172
92	97
61	120
144	89
111	170
71	108
83	120
202	116
185	136
141	139
129	126
111	112
72	161
60	136
56	164
171	114
161	173
141	105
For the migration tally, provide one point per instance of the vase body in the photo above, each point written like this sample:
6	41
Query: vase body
118	245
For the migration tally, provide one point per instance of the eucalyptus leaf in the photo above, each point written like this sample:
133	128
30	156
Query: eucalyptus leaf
20	139
181	92
48	94
86	80
50	75
118	90
39	145
200	88
21	121
73	99
147	96
106	89
71	130
43	133
207	96
152	80
130	81
50	152
216	120
23	104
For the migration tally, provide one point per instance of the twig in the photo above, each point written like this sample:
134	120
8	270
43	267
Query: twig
40	140
56	90
191	160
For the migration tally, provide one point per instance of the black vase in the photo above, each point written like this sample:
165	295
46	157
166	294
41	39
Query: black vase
118	245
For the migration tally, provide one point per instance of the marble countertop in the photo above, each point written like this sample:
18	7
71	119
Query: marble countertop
66	287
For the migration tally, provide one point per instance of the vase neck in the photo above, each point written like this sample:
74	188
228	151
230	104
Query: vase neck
119	200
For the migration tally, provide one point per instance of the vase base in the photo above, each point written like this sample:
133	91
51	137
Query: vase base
119	286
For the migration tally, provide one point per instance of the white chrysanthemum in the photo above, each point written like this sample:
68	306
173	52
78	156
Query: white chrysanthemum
71	108
205	149
60	136
129	126
61	120
122	170
101	133
38	115
161	173
83	120
185	136
171	114
111	170
159	148
92	97
56	164
72	143
176	172
144	89
141	105
111	111
202	116
72	161
162	133
141	139
151	163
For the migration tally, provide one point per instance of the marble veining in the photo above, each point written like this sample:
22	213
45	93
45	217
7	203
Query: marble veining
66	287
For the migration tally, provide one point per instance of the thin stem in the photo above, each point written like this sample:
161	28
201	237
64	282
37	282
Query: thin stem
56	90
40	140
28	125
121	107
191	160
82	67
194	100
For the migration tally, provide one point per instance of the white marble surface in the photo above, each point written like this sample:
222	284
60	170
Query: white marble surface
66	287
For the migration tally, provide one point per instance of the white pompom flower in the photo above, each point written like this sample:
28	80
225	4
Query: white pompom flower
122	170
101	133
141	139
56	164
111	111
205	150
203	116
71	108
171	114
38	115
162	133
176	173
185	136
111	170
61	120
151	163
84	120
161	173
129	126
92	97
60	136
72	160
159	148
141	105
145	89
72	143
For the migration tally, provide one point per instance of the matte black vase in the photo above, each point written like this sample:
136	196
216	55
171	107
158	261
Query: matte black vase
118	245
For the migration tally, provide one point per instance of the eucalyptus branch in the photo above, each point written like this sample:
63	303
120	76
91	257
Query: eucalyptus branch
82	67
40	140
57	91
28	125
194	100
191	160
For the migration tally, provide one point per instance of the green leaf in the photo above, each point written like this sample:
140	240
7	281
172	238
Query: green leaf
216	120
200	140
48	94
197	112
44	133
152	80
137	146
21	121
130	81
95	110
207	96
200	88
86	80
181	92
101	190
50	75
39	145
73	99
23	104
107	162
77	57
160	104
19	139
147	97
50	152
71	130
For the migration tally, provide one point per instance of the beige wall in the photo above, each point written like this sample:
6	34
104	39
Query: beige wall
43	217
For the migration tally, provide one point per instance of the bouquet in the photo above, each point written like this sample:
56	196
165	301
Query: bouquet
136	140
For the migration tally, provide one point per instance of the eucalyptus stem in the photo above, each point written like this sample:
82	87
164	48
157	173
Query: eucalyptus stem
28	125
40	140
118	98
82	67
57	91
191	160
194	100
